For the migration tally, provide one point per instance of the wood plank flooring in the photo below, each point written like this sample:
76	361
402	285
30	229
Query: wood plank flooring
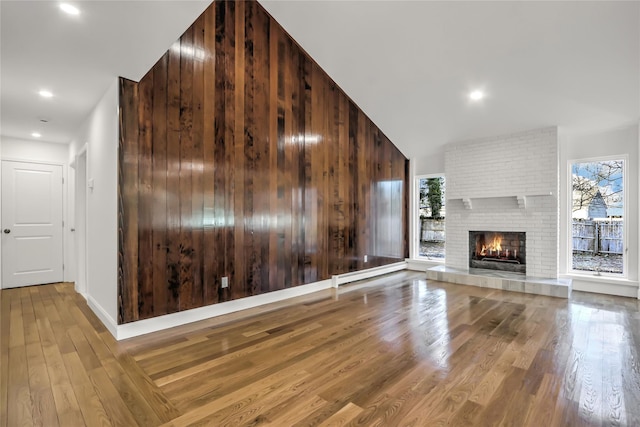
393	351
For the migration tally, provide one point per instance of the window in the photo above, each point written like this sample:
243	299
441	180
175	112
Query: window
597	217
431	217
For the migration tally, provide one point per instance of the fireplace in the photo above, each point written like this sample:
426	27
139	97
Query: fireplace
498	250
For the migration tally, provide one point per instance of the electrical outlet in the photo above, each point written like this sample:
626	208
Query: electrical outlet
224	282
366	258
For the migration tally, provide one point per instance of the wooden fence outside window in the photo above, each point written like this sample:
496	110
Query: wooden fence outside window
598	237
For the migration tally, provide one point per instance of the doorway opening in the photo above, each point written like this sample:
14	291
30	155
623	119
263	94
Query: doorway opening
80	213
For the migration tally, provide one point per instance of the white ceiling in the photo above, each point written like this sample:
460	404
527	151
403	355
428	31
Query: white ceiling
77	57
408	64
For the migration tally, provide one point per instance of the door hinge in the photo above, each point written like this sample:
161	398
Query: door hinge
62	267
62	224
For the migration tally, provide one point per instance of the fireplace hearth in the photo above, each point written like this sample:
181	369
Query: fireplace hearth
498	250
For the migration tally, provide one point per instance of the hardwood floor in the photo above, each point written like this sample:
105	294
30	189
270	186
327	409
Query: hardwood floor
393	351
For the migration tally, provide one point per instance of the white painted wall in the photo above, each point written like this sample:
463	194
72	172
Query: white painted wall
46	152
431	163
37	151
615	142
100	134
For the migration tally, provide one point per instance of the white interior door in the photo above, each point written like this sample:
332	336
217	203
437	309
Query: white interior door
32	251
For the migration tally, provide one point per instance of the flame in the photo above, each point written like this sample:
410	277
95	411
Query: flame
497	240
494	246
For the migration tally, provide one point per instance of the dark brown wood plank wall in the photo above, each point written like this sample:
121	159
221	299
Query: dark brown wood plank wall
159	189
145	197
240	157
173	181
209	165
128	203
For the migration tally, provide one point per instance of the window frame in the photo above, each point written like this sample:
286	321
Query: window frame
415	238
625	210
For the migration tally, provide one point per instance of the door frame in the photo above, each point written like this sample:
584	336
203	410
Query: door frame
64	202
81	233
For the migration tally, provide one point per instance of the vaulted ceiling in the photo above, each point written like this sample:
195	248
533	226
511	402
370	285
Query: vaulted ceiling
409	64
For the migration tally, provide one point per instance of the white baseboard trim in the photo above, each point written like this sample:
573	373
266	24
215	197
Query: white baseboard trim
421	265
104	317
354	276
84	295
141	327
609	288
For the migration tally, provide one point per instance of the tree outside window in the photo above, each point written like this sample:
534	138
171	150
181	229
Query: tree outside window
598	216
431	206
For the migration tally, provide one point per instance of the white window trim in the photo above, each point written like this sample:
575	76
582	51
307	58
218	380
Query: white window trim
415	218
625	234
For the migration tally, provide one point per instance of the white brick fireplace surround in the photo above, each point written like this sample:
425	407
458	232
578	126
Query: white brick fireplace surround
505	183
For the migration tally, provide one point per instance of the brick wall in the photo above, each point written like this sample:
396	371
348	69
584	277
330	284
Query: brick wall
491	172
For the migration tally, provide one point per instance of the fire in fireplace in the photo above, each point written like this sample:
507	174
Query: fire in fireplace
498	250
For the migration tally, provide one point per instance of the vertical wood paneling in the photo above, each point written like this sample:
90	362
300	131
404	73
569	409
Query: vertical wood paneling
173	181
229	83
249	214
159	191
262	147
145	197
309	199
128	203
341	205
287	169
219	256
352	189
281	211
317	140
295	165
239	273
185	245
364	183
197	175
240	157
246	144
272	171
210	226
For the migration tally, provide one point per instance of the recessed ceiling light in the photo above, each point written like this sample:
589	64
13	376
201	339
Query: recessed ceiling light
71	10
36	135
45	93
476	95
